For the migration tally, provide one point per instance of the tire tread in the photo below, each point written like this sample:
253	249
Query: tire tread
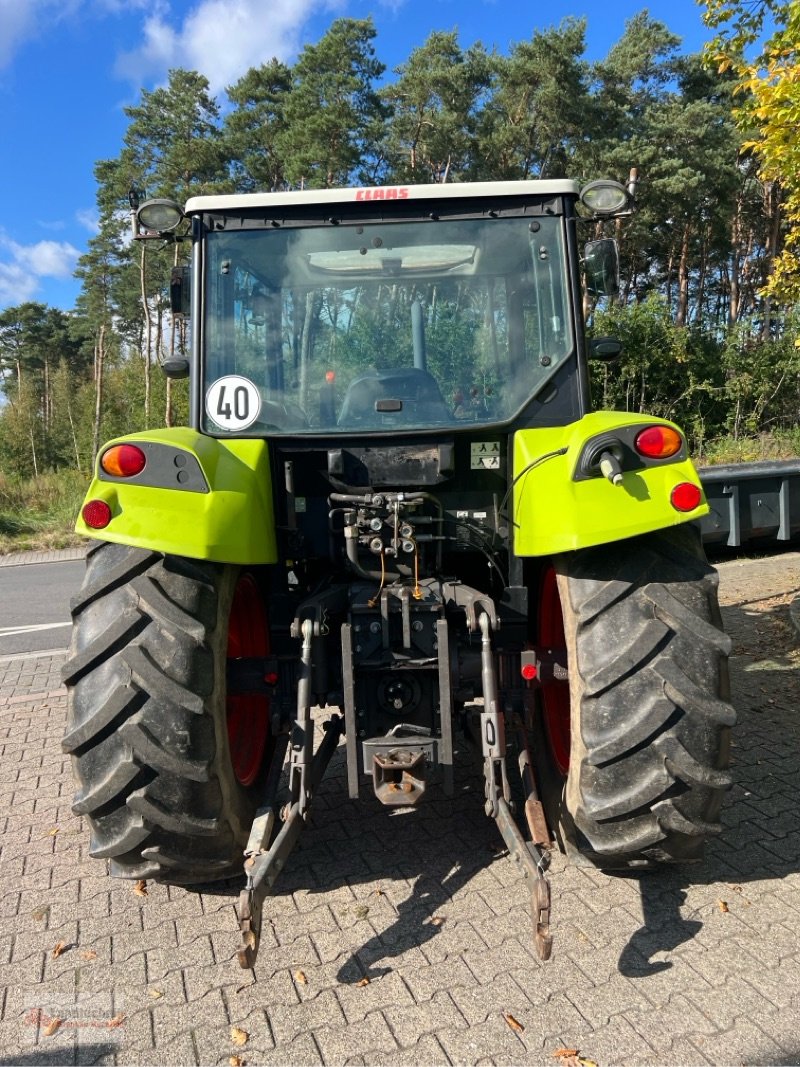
649	690
146	723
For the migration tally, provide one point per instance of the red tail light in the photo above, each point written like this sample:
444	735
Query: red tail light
658	442
686	496
96	514
123	461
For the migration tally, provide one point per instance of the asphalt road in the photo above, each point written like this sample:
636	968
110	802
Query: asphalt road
34	605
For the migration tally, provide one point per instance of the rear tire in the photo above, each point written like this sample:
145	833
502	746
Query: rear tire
649	707
148	726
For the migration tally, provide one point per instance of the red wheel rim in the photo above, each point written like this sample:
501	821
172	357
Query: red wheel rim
249	736
555	694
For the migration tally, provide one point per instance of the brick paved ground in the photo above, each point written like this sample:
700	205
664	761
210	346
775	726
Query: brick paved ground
425	905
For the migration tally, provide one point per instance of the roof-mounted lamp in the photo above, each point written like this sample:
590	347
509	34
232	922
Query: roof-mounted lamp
160	216
606	198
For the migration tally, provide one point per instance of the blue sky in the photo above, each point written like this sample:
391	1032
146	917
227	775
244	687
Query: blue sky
68	67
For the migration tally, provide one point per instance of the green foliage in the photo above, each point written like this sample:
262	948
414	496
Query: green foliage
435	105
759	43
253	128
762	381
332	112
537	110
664	370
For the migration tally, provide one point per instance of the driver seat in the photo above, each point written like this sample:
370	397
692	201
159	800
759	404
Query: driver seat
416	389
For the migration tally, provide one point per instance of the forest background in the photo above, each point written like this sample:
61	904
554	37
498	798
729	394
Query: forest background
709	323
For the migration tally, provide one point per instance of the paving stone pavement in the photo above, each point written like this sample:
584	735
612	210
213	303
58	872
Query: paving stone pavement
424	904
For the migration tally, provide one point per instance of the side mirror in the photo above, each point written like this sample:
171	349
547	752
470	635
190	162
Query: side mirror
605	349
601	267
180	291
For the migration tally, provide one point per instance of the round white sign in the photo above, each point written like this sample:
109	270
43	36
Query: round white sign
233	402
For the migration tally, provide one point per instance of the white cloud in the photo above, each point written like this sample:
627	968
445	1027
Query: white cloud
220	38
18	21
21	20
25	264
16	285
88	218
45	259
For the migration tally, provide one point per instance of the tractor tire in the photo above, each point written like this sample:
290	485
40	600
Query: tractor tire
638	739
149	726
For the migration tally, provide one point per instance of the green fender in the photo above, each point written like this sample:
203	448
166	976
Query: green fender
554	509
196	497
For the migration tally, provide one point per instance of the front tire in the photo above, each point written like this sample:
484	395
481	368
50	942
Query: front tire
648	699
148	719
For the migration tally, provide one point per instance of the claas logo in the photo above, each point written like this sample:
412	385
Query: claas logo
382	194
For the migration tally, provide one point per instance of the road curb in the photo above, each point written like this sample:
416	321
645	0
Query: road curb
19	559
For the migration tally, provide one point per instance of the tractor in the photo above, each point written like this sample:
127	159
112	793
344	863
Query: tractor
395	526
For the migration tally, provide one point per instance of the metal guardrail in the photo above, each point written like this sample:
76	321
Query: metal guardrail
751	503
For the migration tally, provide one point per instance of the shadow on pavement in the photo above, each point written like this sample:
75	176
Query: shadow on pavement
440	848
63	1056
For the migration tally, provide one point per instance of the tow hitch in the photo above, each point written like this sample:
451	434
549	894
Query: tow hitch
398	763
264	862
262	868
532	859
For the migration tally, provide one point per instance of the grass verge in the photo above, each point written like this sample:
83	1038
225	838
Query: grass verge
38	514
782	444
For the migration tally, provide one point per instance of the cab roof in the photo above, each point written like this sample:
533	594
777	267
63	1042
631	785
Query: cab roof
310	197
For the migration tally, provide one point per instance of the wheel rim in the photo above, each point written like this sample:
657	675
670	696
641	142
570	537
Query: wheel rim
555	694
248	715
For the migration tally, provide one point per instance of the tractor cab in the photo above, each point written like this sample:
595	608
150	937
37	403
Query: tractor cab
411	315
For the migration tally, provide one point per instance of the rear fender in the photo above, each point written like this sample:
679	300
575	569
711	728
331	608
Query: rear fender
557	506
197	497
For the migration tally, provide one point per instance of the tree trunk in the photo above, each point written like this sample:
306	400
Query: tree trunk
682	314
772	198
78	467
47	408
99	361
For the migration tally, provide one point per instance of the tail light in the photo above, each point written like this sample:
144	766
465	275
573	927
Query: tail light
123	461
686	496
96	514
658	442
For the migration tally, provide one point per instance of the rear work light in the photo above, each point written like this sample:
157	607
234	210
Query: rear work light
96	514
686	496
658	442
123	461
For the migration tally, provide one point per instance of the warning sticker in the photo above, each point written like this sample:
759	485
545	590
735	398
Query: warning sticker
485	455
233	402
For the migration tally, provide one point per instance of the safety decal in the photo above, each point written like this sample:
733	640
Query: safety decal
233	402
485	455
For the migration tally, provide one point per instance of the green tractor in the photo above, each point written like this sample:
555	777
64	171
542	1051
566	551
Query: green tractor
395	505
